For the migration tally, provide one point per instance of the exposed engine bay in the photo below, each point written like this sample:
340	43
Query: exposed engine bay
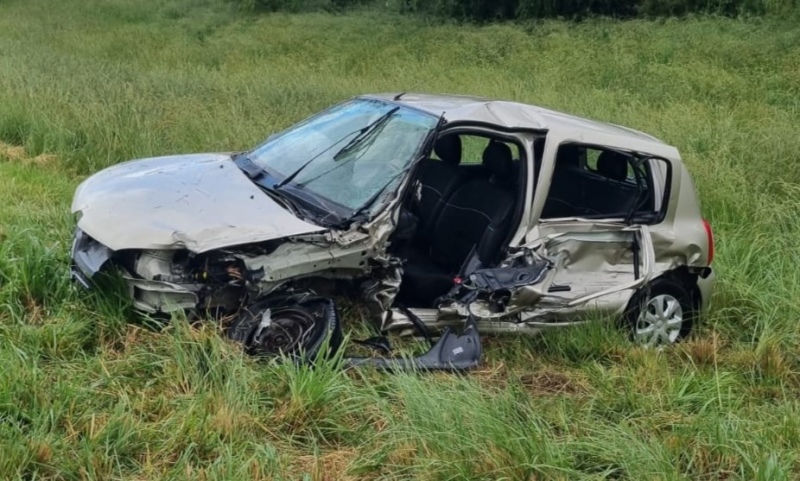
215	281
292	320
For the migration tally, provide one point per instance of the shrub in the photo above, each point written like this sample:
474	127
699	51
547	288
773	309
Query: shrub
491	10
297	5
498	10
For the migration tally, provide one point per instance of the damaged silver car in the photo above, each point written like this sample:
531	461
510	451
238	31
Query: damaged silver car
434	210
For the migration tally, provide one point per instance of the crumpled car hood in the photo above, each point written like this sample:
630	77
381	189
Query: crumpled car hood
199	202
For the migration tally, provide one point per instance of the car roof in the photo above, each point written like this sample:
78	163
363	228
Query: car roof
511	115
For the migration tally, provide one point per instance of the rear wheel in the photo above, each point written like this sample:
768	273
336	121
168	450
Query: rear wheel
660	314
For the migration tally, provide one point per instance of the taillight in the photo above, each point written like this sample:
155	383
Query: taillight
710	235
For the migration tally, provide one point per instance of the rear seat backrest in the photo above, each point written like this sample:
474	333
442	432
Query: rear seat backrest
612	165
477	214
610	193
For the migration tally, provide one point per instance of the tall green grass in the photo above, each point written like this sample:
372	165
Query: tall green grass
88	391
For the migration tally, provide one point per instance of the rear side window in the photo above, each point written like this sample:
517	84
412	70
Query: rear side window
597	182
593	155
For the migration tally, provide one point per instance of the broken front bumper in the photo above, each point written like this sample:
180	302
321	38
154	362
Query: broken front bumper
87	258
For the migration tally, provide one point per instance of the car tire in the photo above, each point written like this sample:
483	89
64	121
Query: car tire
661	313
298	330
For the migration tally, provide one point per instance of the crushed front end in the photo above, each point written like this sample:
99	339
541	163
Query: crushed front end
163	281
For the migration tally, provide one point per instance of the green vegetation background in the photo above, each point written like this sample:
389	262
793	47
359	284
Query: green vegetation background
490	10
88	392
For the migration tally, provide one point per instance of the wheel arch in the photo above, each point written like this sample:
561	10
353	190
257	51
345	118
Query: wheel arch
683	276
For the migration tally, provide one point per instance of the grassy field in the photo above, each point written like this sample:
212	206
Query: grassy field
87	392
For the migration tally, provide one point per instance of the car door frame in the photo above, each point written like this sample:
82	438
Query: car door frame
543	229
525	140
397	319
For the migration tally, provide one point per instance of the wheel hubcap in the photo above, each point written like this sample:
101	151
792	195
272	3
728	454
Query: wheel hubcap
659	322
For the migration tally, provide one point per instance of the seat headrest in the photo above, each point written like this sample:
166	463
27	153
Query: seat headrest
613	165
448	148
498	159
568	155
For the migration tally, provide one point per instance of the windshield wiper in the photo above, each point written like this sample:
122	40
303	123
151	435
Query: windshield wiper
288	200
363	133
360	132
301	211
291	176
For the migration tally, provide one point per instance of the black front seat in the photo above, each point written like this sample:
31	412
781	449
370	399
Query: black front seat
476	217
437	181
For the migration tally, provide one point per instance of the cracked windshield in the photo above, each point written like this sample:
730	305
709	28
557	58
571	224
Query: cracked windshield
363	144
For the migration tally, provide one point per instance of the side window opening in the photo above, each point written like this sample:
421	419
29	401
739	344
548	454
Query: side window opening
471	147
597	182
474	145
593	155
457	159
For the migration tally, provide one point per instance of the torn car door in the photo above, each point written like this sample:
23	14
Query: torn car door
597	265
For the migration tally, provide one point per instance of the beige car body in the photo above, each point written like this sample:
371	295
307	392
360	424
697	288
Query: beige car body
592	256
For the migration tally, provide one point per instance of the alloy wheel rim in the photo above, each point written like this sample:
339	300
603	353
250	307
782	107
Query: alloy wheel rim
659	322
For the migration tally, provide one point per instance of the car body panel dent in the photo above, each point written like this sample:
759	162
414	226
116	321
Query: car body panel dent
596	268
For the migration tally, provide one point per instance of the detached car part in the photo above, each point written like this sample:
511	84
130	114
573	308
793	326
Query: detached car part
303	326
452	352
